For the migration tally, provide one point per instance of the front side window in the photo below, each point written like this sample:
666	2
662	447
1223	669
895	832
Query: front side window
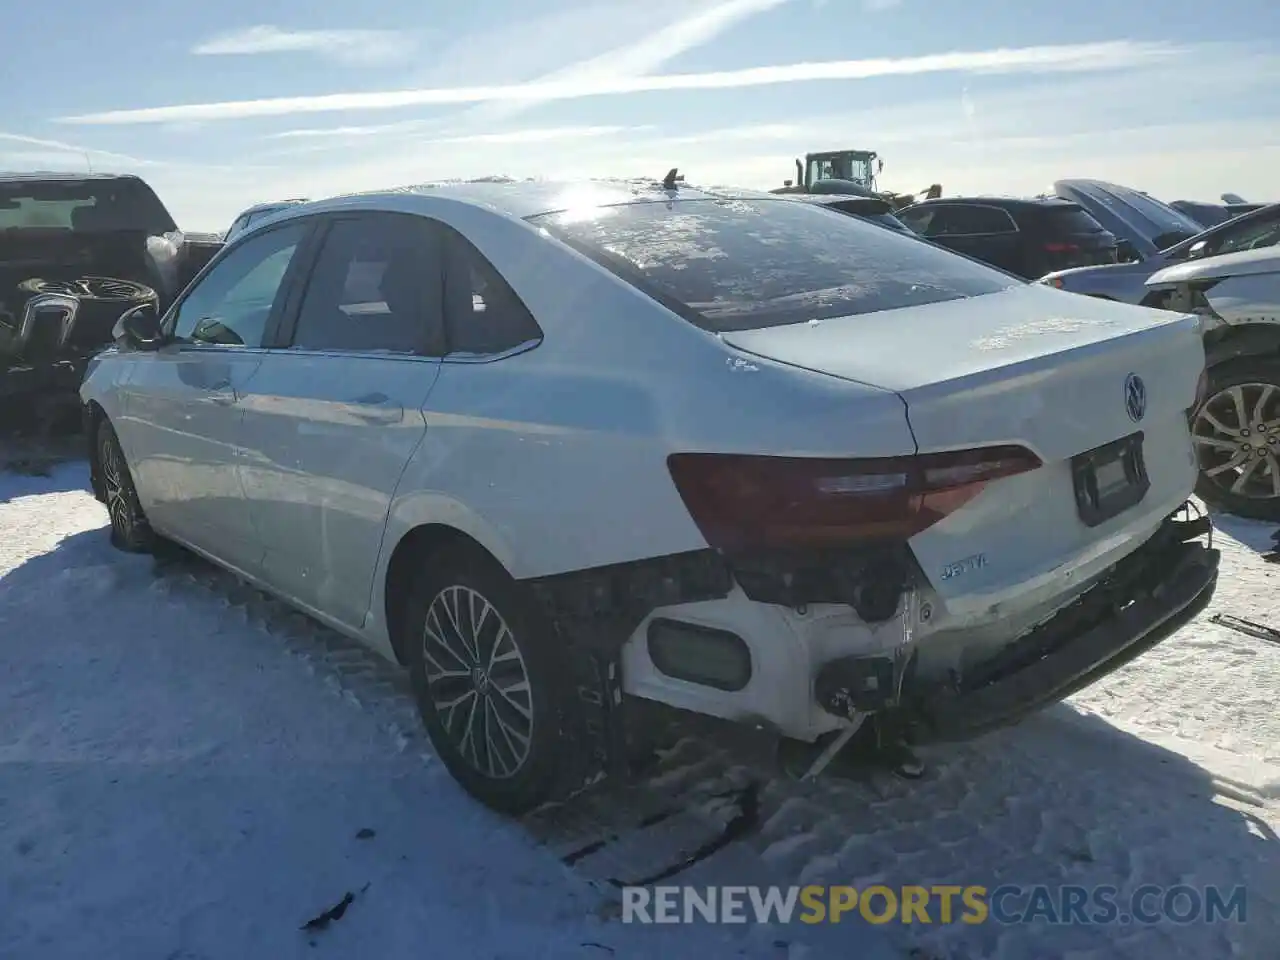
1253	235
231	304
745	264
375	288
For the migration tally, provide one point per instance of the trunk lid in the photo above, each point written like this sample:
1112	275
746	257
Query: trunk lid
1030	366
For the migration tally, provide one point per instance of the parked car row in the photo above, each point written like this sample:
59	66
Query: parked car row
565	450
1114	243
1229	275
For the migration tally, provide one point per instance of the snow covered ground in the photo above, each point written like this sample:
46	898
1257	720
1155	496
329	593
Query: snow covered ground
188	770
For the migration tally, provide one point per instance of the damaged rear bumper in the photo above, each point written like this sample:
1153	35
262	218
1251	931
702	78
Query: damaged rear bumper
1150	595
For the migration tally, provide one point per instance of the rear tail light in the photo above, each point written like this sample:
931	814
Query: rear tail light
743	502
1061	248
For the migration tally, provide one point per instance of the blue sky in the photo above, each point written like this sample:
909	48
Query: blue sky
221	105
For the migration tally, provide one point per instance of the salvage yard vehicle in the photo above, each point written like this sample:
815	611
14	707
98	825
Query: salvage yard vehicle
1236	429
872	209
850	172
76	251
1227	275
564	450
257	213
1027	238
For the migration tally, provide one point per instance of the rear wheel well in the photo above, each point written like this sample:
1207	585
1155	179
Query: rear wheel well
412	551
1232	342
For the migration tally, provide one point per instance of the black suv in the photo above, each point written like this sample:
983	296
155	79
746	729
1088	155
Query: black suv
1027	238
76	251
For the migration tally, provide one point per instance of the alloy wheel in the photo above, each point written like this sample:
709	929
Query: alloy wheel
477	682
1237	437
119	507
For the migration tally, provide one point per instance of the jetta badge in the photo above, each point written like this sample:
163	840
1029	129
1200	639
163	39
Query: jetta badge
1135	397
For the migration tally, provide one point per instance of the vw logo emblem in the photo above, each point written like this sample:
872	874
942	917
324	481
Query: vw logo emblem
1135	397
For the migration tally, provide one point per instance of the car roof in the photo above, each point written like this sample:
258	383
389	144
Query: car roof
1004	203
270	205
20	176
522	199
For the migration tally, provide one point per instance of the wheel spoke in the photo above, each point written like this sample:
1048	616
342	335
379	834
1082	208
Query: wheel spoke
507	692
1216	443
1273	466
1246	474
1264	397
1207	415
435	631
1221	468
1237	398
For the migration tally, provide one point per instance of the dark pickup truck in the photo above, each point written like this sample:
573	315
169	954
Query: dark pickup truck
76	251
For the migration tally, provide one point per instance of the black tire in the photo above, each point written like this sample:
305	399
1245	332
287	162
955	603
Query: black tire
130	530
491	763
1252	375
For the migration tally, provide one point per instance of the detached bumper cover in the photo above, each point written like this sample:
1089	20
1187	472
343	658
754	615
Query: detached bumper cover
1152	594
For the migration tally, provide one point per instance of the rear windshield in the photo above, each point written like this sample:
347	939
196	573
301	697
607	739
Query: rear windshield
83	206
746	264
1065	218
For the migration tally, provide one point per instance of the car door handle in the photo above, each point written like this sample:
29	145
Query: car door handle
377	408
222	394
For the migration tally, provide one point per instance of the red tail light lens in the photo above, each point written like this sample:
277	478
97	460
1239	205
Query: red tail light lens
742	502
1061	248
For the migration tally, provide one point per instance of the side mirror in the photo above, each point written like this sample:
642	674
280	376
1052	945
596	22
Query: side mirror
1197	250
1126	252
139	328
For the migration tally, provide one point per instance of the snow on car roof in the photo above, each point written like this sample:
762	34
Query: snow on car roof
529	198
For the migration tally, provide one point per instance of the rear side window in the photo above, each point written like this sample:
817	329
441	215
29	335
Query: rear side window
745	264
484	315
1065	218
960	220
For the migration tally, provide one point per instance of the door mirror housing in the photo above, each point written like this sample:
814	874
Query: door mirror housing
1198	250
139	328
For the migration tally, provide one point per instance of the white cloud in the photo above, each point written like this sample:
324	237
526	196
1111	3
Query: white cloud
1066	57
76	155
636	58
372	47
1011	138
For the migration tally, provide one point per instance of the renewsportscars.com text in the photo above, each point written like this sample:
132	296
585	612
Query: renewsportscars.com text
1007	904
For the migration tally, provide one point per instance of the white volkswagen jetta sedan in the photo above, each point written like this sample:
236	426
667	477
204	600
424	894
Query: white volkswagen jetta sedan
560	449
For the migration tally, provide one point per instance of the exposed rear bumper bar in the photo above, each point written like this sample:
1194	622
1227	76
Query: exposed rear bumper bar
1169	581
